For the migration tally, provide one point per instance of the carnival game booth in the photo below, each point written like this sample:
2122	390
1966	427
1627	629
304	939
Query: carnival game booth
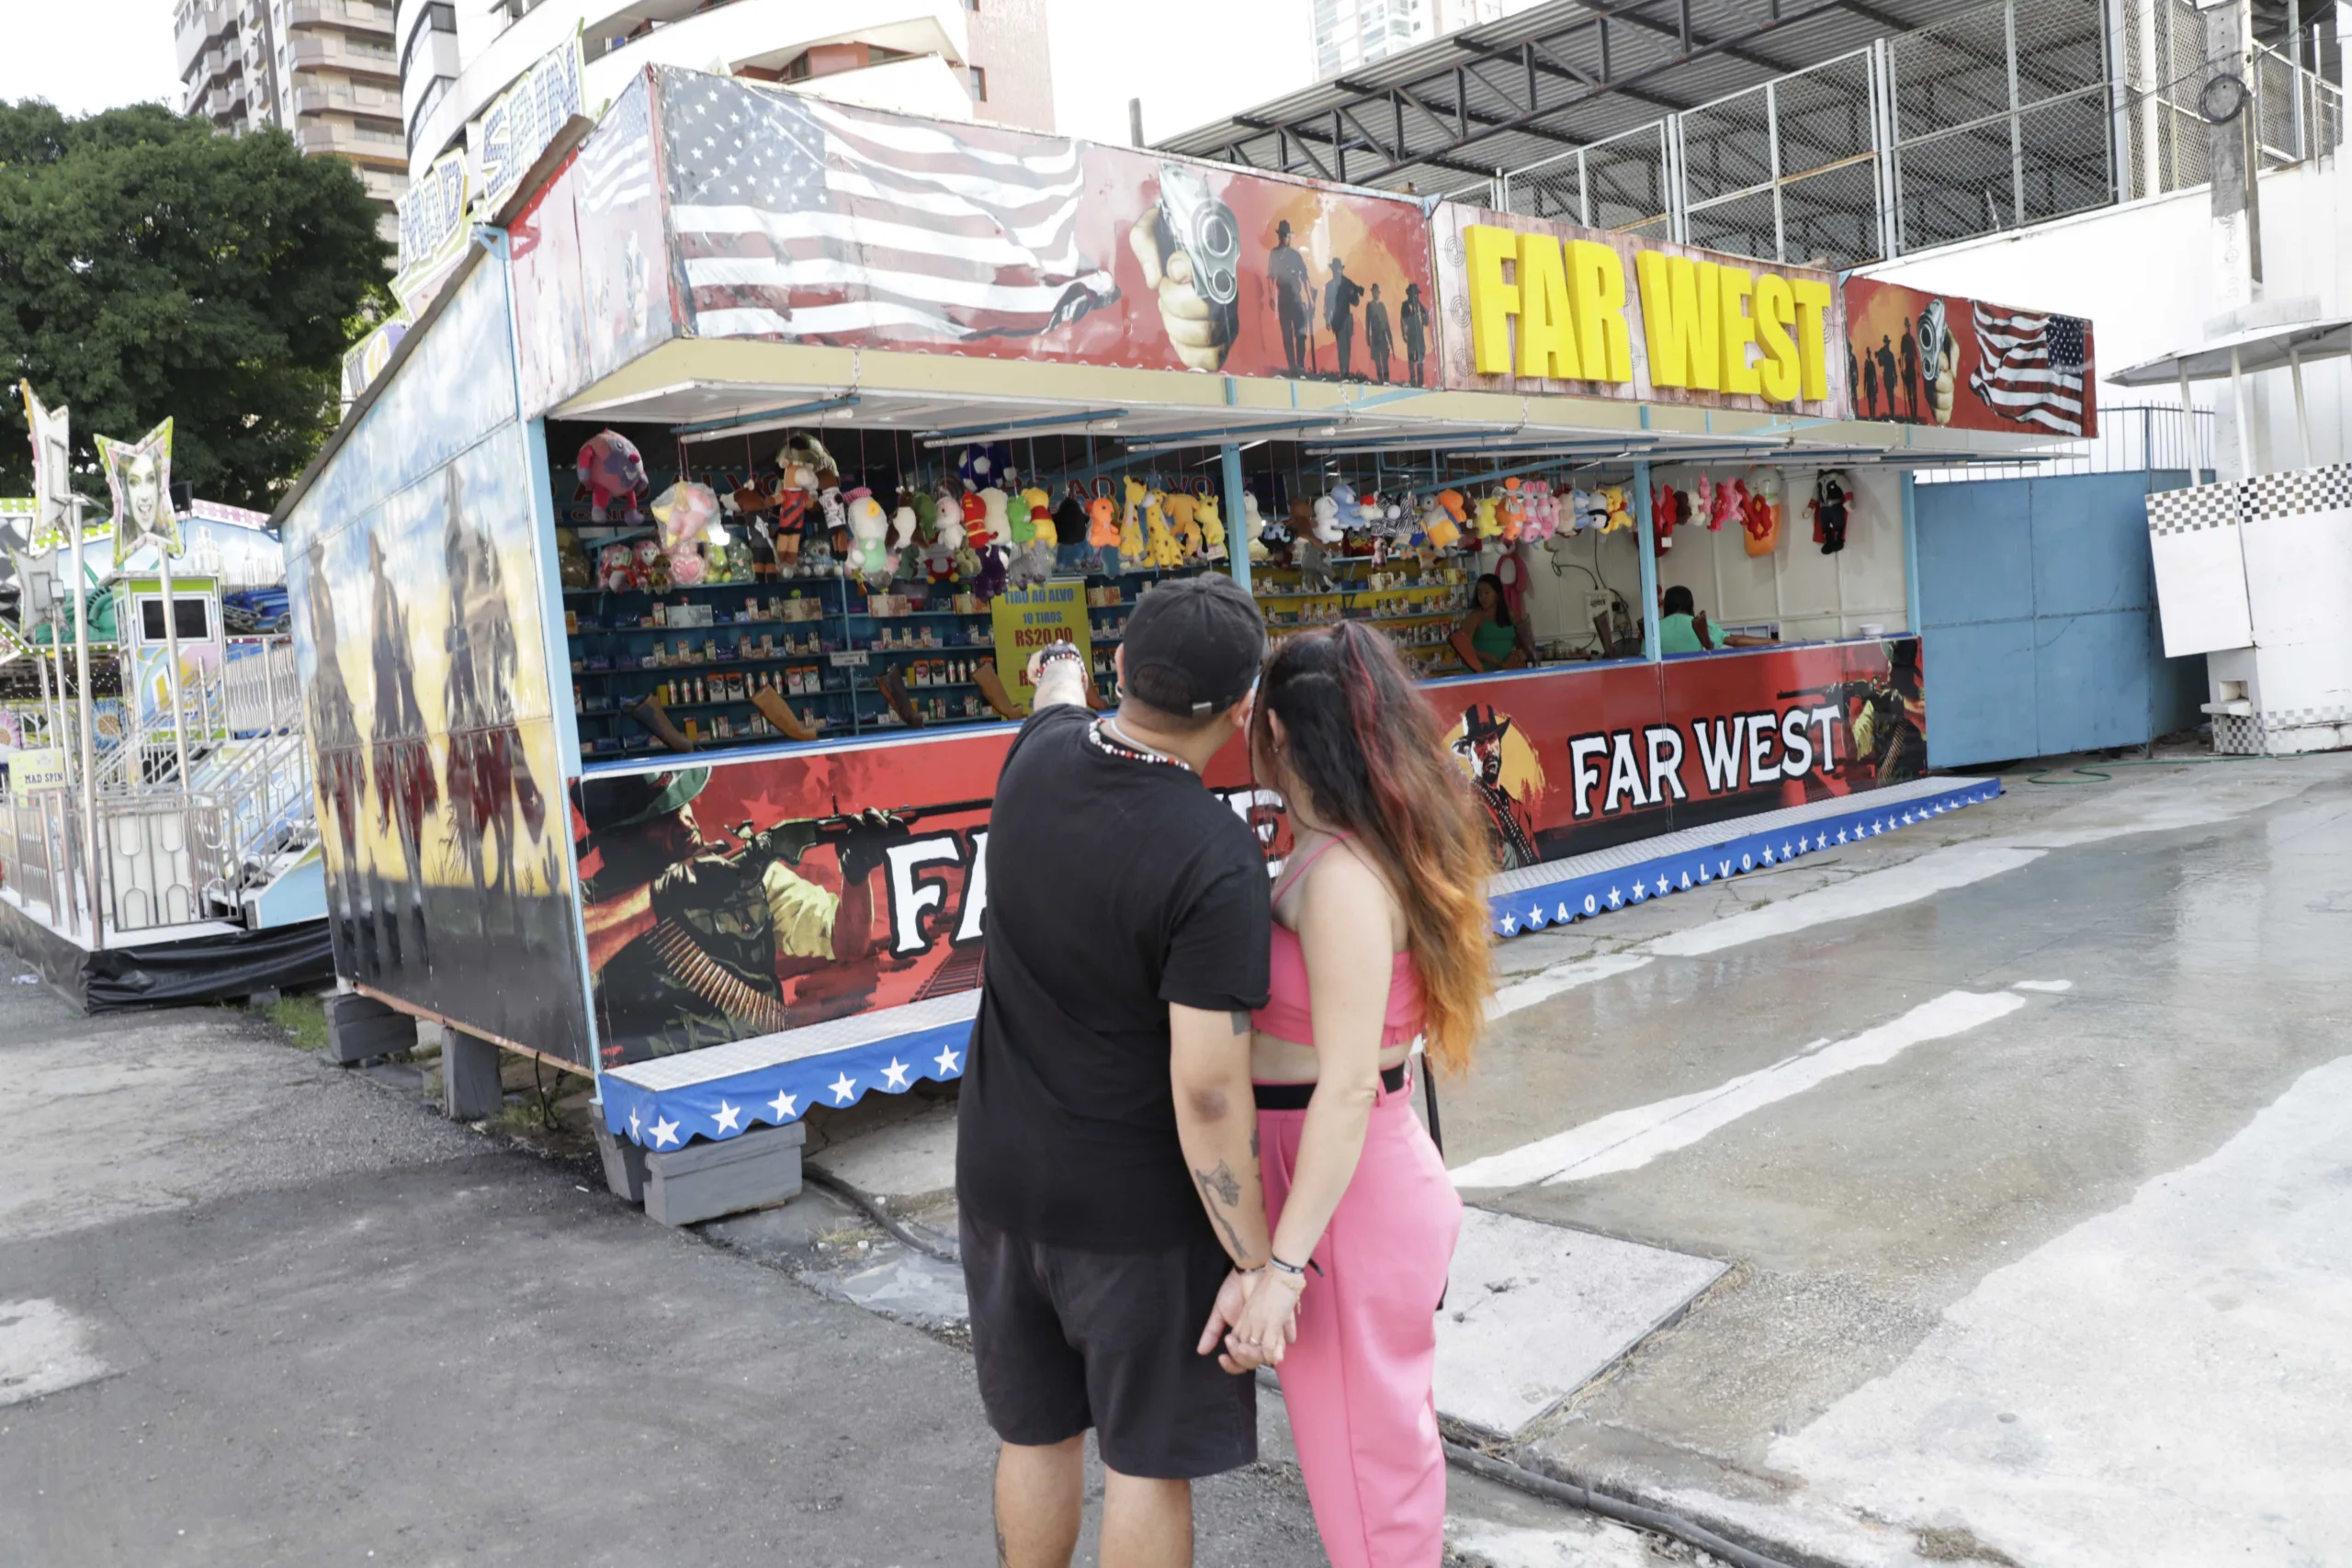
661	605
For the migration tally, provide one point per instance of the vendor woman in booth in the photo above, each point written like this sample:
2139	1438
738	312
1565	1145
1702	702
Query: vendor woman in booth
1488	638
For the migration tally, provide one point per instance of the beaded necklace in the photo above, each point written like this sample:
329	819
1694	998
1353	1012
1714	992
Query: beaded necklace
1112	744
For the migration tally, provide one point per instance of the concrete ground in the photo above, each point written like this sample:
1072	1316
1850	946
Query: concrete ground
2022	1139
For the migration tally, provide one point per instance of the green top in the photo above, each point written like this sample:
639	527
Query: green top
1494	640
1679	634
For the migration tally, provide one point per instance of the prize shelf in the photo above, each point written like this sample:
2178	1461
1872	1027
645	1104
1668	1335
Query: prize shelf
848	658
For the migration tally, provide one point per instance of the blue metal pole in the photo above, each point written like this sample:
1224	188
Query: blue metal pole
1910	553
1646	541
1236	543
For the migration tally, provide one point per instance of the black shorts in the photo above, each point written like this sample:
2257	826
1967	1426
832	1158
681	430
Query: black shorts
1067	1340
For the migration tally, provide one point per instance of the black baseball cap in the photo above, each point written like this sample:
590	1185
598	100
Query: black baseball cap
1194	646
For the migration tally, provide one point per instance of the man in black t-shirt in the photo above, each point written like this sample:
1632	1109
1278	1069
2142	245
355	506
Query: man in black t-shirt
1106	1159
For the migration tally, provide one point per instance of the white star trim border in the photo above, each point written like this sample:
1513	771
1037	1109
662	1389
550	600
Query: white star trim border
947	1060
895	1075
666	1132
844	1088
782	1105
730	1118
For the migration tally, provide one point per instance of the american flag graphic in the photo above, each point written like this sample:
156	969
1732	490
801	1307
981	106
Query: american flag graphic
799	219
616	161
2031	368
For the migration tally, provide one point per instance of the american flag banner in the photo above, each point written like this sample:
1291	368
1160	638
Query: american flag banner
803	220
2032	368
616	161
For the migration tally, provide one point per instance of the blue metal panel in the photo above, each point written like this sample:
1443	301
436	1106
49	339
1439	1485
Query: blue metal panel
2091	677
2090	545
1975	551
1980	686
2037	598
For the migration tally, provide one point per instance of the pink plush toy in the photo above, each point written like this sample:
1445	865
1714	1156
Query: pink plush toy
1542	512
610	466
1704	490
1731	501
615	573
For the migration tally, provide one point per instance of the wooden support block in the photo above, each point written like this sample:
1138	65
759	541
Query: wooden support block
624	1162
470	1088
361	1027
702	1181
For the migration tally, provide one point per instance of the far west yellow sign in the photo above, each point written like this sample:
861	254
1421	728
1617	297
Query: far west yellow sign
1529	306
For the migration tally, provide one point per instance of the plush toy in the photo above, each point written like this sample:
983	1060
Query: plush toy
1620	504
1102	523
1760	520
949	507
682	516
1131	545
1253	525
1037	506
1158	541
612	468
869	528
1183	521
1313	563
1489	514
571	563
1326	528
1511	509
1441	526
1211	523
1730	504
1832	507
996	518
1069	530
804	450
1542	512
904	525
990	580
985	468
615	568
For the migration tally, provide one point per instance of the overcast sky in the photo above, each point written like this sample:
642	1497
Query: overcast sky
84	55
1189	63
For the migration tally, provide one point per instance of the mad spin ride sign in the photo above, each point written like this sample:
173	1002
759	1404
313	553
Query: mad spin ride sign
1530	306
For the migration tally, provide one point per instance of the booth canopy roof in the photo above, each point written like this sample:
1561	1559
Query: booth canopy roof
2257	348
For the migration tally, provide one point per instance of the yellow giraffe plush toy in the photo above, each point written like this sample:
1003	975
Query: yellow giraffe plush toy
1131	528
1211	528
1166	553
1182	521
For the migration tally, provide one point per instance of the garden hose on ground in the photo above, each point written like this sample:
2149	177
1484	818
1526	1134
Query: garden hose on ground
2094	776
874	1209
1502	1472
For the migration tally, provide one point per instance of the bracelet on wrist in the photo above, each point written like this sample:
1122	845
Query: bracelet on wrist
1297	1270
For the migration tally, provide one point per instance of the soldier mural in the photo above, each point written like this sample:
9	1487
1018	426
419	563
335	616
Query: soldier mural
490	779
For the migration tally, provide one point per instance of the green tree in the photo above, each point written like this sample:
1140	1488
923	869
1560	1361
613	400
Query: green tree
151	267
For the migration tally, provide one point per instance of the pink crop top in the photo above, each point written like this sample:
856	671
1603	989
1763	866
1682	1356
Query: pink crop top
1287	1015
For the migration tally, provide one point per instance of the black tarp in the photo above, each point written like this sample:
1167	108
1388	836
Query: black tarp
208	968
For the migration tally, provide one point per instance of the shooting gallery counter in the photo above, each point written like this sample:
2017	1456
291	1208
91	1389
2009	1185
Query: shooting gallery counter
1606	785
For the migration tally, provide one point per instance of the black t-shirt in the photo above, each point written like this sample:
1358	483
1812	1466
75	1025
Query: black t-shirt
1115	887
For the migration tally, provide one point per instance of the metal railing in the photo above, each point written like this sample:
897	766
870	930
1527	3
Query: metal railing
2004	114
2137	438
172	851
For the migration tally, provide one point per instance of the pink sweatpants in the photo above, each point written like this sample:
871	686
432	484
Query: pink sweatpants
1357	1384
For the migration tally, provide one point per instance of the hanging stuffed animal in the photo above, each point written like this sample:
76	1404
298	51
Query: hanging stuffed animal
1760	518
1131	546
612	468
1212	521
1512	510
990	580
1832	507
869	528
1182	522
1159	538
1070	527
1440	526
1253	526
683	515
1662	516
650	568
987	520
985	466
1731	505
1619	509
804	450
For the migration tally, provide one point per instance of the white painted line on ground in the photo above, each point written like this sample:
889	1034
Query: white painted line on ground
44	1349
1626	1140
1546	984
2166	1383
2051	986
1873	893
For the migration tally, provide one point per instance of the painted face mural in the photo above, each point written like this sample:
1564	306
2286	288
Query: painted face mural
139	477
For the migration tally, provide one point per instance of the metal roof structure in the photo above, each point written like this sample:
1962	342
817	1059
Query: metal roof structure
1546	80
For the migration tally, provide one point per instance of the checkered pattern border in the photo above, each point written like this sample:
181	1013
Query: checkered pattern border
2297	492
2295	718
2237	735
2186	511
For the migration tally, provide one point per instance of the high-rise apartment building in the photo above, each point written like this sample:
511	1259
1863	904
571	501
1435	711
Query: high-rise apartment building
949	59
322	69
1349	33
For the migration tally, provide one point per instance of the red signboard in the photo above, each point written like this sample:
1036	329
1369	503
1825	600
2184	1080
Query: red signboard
1938	359
797	219
745	897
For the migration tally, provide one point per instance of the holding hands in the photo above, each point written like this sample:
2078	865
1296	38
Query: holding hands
1255	1318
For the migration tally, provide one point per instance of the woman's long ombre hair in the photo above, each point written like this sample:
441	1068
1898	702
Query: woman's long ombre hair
1364	746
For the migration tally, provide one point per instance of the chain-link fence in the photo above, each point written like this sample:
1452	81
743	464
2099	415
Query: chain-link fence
2002	114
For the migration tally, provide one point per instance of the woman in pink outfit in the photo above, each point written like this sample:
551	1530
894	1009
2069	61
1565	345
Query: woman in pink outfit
1380	938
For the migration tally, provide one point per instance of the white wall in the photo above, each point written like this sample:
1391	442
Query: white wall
2144	276
1808	596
